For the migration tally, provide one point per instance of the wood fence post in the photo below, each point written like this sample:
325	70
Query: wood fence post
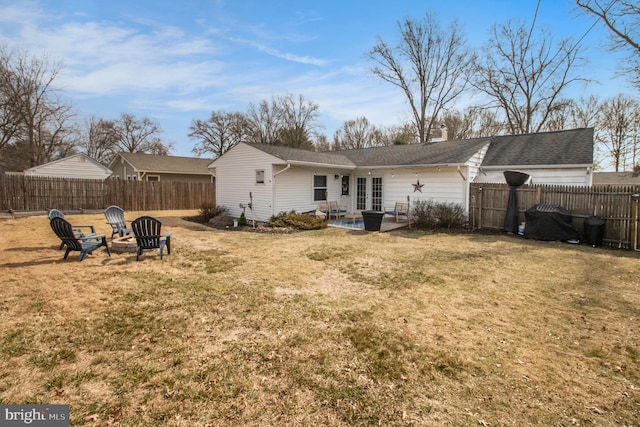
480	206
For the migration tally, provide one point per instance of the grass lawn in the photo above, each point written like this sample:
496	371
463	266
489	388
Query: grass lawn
331	327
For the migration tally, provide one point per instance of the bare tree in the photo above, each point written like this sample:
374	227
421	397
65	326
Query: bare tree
429	64
139	136
320	142
219	133
287	120
99	139
265	122
402	134
33	116
619	127
524	75
299	120
585	112
622	18
356	133
9	117
473	122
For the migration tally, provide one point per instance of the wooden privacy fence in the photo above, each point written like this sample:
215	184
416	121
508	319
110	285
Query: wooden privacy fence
617	205
28	193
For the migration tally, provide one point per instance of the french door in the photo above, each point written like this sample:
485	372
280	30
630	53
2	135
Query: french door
369	193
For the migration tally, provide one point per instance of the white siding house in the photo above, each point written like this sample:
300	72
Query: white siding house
78	166
578	175
267	180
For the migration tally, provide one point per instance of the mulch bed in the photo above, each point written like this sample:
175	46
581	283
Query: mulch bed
224	222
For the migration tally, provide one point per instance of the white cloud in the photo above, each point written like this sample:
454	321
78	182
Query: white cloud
302	59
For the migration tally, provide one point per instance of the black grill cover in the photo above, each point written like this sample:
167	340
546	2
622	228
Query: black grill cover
549	222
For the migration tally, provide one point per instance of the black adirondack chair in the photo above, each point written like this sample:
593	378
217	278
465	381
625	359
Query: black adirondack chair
84	245
146	230
77	229
115	218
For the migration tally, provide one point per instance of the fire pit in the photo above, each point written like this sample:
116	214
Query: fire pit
124	244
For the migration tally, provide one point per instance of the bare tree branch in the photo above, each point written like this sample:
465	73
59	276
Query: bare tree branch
524	76
430	65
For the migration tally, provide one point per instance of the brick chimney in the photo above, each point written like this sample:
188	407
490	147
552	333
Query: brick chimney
444	134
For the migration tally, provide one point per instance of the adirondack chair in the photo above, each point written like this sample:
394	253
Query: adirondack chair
147	233
84	245
115	218
77	229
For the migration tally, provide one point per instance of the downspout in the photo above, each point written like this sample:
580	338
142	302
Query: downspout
279	172
465	195
273	188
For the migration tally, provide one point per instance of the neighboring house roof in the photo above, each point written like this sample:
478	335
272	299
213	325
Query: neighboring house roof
568	147
75	166
165	164
616	178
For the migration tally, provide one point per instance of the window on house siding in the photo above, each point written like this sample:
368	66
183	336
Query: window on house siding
319	187
153	178
260	176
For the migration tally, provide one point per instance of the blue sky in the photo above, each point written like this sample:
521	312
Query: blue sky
175	61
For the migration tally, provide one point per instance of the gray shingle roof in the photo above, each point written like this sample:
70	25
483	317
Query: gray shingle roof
306	156
446	152
167	164
435	153
567	147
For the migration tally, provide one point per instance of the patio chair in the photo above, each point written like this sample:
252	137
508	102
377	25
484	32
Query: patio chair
336	210
147	233
85	245
115	218
77	229
399	210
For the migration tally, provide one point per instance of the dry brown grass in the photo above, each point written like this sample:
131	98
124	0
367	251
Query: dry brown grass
328	327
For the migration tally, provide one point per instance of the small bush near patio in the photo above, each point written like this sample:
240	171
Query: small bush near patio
210	210
297	221
430	215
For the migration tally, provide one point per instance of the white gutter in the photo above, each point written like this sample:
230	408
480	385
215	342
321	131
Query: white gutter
515	167
430	165
320	165
465	187
464	178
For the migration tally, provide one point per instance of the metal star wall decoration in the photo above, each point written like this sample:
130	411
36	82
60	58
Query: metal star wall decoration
417	186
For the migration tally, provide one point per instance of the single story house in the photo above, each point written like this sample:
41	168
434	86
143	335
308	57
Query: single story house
151	167
78	166
264	180
616	178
